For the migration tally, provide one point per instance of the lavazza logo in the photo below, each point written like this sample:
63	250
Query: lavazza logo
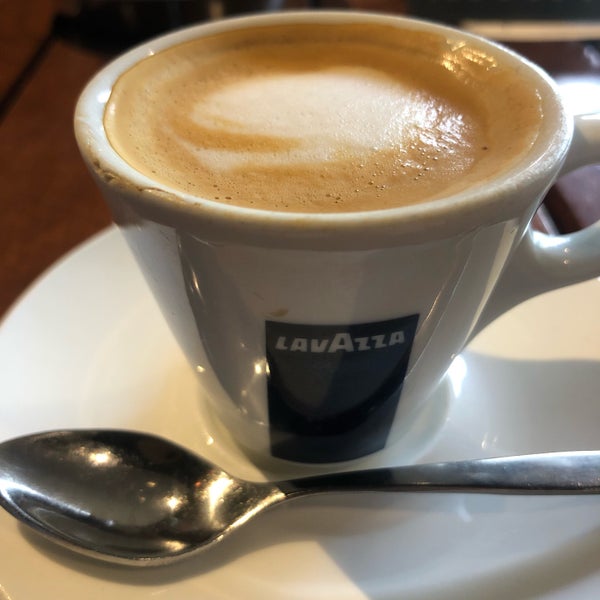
333	390
340	342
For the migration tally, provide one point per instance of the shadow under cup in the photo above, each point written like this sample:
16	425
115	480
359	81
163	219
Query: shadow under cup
320	336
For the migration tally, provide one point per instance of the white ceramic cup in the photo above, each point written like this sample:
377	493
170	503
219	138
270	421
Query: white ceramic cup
321	337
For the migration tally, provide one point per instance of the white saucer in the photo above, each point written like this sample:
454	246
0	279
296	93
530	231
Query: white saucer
87	347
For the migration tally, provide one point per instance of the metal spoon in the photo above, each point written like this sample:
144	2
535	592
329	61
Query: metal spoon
134	498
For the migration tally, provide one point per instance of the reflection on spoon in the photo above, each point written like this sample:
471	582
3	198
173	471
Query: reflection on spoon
134	498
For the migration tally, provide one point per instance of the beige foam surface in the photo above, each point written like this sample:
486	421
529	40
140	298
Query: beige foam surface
320	119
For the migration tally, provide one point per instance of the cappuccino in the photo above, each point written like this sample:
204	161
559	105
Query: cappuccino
322	117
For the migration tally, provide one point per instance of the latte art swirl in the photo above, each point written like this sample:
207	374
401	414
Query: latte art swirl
318	119
310	131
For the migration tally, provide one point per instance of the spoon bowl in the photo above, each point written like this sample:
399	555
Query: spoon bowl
135	498
123	497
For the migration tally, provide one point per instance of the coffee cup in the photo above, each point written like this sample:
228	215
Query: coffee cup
328	206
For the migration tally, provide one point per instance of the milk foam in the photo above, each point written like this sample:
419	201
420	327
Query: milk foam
317	116
316	119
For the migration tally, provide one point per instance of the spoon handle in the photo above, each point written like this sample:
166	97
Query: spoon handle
548	473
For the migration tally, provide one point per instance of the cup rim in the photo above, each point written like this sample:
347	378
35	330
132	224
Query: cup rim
466	210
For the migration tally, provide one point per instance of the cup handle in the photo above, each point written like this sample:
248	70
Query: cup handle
544	262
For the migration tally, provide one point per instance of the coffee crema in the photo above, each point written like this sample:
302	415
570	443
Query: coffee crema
322	117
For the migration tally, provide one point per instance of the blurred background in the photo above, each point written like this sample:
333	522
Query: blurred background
122	22
50	48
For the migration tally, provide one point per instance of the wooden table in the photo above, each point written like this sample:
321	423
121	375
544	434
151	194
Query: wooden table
49	203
